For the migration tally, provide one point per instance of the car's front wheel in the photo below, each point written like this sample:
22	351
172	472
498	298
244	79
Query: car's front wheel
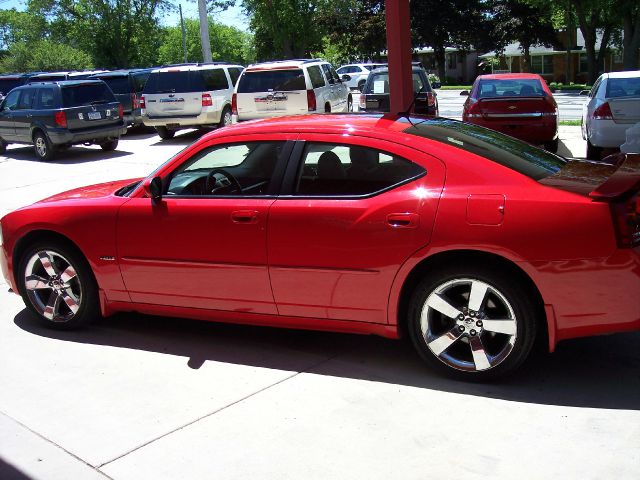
472	322
42	147
57	284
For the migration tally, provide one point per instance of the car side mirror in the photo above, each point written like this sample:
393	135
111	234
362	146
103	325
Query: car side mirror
464	93
152	188
584	93
346	78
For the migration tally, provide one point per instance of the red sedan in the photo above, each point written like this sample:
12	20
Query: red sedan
518	104
475	244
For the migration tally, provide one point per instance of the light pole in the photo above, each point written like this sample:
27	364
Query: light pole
204	31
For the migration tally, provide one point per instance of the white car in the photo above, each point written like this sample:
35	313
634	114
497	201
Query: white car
187	96
289	87
612	108
357	73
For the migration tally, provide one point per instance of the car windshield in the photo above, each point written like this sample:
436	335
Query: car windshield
379	84
8	84
86	94
272	80
118	84
503	149
178	81
373	66
623	87
529	87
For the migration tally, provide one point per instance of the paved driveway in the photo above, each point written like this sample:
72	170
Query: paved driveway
137	397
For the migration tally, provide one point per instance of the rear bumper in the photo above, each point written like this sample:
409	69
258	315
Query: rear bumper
534	131
210	117
62	137
607	133
268	114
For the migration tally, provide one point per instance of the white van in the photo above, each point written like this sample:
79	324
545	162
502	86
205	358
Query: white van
289	87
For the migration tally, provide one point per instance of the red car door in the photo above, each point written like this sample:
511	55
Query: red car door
352	217
202	250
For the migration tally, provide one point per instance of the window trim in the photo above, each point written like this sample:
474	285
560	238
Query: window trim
296	163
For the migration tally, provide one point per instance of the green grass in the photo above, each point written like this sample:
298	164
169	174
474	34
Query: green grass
455	87
571	123
569	88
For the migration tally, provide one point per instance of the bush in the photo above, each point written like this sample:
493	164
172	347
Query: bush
44	55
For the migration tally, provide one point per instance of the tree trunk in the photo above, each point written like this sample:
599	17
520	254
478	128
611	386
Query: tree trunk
525	66
631	41
604	48
439	53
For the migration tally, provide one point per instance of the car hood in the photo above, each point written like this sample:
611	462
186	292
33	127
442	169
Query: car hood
91	191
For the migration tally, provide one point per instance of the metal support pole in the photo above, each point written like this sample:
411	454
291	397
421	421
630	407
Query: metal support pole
184	35
204	31
399	54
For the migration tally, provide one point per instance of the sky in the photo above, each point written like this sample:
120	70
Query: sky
232	16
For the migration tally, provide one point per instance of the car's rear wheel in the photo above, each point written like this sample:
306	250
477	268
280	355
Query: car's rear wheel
593	152
472	322
225	118
109	145
164	133
42	147
57	284
552	146
349	104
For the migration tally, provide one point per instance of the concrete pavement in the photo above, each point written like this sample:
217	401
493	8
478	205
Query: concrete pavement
137	397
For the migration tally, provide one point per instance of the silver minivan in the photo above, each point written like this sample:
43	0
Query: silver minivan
187	96
289	87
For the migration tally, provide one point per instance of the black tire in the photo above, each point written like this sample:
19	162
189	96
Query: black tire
361	85
349	104
327	108
3	146
109	145
225	117
445	343
63	293
552	146
42	147
593	152
164	133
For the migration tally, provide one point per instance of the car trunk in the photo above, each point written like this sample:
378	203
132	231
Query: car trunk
625	110
88	106
173	94
513	108
272	93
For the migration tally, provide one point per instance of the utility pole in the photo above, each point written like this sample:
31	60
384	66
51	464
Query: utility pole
204	31
184	35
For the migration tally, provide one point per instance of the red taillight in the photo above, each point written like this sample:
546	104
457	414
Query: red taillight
311	100
234	104
60	119
471	110
135	103
603	112
431	99
627	220
363	101
206	100
142	103
120	111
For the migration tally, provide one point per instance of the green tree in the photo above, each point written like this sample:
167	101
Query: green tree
44	55
18	26
629	11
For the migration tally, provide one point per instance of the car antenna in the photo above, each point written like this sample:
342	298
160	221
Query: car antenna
407	112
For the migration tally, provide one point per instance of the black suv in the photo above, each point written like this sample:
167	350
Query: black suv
55	115
127	86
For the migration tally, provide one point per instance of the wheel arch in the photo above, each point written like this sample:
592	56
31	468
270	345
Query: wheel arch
476	257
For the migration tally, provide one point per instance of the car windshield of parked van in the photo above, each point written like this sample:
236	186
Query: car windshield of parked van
272	80
503	149
379	84
529	87
86	94
118	85
169	82
623	87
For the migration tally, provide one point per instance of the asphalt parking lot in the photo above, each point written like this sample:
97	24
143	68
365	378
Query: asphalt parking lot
136	397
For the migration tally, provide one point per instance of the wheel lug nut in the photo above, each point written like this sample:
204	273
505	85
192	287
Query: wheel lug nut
461	328
460	317
478	323
472	332
472	313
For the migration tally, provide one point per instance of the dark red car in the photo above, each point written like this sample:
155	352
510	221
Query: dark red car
475	244
518	104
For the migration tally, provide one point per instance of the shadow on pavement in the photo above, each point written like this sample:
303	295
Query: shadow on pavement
72	155
9	472
186	138
598	372
563	150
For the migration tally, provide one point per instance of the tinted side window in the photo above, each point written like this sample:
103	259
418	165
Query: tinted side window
214	79
234	74
79	95
118	84
11	102
26	99
139	81
317	80
215	170
327	73
343	170
46	98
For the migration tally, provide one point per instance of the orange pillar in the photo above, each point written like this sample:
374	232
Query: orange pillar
399	54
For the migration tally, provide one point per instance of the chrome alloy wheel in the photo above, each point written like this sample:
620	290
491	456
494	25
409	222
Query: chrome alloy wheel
468	325
53	286
41	146
227	119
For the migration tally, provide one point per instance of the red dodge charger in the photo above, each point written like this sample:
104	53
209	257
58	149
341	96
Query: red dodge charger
473	243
